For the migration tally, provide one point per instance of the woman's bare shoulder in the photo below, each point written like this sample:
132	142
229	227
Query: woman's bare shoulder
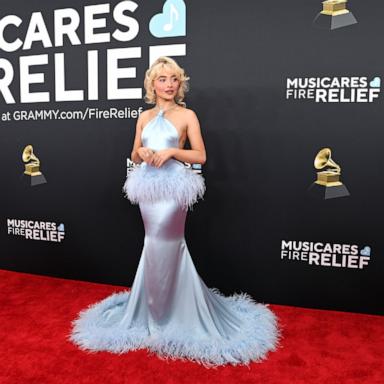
190	115
189	110
145	116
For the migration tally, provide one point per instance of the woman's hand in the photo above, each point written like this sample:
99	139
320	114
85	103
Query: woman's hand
146	154
160	157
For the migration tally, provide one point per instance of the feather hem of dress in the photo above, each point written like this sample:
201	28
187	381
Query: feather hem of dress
145	185
259	334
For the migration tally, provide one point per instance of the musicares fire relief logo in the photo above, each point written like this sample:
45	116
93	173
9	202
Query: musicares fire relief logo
334	89
326	254
36	230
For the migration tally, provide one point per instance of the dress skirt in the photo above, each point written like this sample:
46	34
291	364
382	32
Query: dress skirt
170	310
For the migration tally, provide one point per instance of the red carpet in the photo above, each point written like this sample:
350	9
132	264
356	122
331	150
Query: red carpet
36	311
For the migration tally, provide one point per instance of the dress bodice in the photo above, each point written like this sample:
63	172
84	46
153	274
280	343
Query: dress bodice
171	181
159	133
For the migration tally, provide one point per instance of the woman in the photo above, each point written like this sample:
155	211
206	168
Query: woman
169	309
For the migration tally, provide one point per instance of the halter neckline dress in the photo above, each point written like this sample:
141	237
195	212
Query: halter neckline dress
169	309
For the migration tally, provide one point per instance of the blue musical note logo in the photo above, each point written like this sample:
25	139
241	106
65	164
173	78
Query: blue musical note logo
366	251
171	22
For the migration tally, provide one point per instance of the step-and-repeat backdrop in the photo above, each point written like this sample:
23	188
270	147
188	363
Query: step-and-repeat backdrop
288	94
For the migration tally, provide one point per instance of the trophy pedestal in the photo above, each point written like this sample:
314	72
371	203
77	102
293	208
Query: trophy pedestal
31	181
326	192
331	22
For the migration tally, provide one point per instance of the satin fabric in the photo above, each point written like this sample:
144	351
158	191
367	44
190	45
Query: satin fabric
176	295
172	181
169	309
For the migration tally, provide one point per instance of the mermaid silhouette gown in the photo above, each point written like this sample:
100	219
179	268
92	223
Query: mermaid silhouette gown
169	310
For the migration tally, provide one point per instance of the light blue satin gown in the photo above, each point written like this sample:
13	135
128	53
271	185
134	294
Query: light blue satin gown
169	309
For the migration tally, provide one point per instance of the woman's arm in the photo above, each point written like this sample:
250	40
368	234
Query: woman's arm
197	152
139	153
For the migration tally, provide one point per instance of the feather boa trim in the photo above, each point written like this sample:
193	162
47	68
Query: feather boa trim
258	335
172	181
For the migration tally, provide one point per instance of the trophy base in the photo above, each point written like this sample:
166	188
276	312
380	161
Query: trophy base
333	22
324	192
32	181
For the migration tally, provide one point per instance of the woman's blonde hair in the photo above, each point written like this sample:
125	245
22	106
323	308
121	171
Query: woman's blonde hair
153	72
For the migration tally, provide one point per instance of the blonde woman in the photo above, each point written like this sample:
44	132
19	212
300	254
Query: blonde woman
169	309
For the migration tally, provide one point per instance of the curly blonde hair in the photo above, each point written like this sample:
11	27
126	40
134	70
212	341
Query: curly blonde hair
153	72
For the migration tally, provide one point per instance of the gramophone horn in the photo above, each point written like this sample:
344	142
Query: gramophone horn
28	155
323	159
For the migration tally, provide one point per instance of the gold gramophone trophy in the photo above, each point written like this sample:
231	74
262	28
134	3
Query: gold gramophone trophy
32	167
328	183
334	15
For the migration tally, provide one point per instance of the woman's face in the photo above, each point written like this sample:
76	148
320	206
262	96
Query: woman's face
166	84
